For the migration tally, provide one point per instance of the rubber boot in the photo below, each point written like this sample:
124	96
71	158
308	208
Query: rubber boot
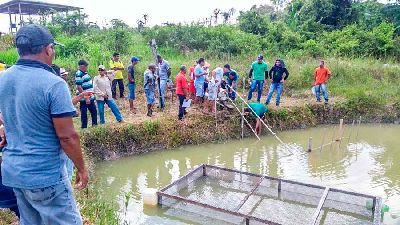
149	110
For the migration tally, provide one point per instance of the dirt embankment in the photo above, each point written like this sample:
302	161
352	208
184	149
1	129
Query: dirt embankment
140	134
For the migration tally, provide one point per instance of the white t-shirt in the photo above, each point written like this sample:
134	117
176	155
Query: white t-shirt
219	74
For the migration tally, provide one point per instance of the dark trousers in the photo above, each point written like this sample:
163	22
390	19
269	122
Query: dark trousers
181	109
93	112
8	199
120	83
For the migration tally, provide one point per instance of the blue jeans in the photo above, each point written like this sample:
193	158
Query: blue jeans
93	111
51	205
233	94
163	86
181	109
254	83
279	88
199	89
114	108
150	96
131	88
318	89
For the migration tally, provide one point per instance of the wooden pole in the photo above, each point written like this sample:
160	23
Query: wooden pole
244	80
323	138
358	130
351	130
309	144
333	137
340	131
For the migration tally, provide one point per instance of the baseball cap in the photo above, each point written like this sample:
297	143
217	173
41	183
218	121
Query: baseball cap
38	35
135	59
82	62
102	67
260	57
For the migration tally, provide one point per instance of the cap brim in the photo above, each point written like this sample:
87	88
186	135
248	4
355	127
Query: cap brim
59	44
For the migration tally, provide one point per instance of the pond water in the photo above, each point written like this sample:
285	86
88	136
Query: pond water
367	160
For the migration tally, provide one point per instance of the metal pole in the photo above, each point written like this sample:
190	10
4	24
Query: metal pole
247	122
20	15
9	14
262	121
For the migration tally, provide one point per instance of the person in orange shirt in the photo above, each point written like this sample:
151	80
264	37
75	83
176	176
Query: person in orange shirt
182	90
321	76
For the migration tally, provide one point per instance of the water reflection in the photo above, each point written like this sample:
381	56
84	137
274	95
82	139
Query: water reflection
367	164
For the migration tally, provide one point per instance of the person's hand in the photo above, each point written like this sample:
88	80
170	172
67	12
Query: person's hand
133	80
3	140
86	94
81	180
282	81
266	81
250	81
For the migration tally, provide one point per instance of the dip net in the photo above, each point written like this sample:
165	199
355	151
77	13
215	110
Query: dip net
214	195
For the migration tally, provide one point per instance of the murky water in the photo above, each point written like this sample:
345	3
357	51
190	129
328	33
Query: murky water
367	162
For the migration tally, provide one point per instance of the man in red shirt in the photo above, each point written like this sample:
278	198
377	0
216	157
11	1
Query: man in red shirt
321	76
182	90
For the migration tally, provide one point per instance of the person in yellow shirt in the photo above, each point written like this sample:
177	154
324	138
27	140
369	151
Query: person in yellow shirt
3	66
118	67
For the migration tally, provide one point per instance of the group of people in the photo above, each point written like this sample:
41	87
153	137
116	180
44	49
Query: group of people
37	135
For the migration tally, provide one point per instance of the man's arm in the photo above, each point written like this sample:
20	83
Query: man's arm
270	73
130	76
266	75
329	73
70	143
169	72
287	74
251	73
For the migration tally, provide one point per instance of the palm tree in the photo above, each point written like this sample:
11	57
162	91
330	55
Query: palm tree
216	13
146	18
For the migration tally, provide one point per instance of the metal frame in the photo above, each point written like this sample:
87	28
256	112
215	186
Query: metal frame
376	209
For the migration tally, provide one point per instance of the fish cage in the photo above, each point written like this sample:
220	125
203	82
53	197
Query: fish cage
214	195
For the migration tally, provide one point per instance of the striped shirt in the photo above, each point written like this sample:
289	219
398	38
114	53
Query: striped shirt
84	80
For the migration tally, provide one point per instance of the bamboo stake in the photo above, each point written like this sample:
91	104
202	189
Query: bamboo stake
323	138
244	80
333	137
351	131
310	144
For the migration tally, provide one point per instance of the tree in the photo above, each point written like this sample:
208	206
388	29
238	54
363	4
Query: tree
216	12
253	22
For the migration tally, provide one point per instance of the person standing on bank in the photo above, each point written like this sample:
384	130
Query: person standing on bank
37	114
321	76
258	73
276	75
164	74
132	84
150	88
118	67
182	90
84	83
200	75
102	90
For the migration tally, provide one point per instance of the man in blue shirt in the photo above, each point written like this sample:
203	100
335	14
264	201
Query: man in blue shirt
200	77
231	77
164	72
37	114
84	83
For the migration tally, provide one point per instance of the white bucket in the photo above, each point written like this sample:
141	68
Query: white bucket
150	197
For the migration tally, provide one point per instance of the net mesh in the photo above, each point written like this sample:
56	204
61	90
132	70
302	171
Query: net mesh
212	195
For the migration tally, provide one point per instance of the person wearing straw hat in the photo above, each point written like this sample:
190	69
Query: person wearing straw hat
258	110
103	93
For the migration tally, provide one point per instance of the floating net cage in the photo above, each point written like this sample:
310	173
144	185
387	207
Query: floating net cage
215	195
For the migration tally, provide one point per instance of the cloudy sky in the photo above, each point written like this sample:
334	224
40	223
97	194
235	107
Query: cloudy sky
159	11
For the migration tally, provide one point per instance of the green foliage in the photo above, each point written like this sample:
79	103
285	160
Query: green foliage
71	24
216	40
252	22
9	56
151	127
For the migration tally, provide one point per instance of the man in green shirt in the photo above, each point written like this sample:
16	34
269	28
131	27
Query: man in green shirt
258	73
258	110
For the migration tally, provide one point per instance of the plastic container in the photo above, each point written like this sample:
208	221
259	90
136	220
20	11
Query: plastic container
150	197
